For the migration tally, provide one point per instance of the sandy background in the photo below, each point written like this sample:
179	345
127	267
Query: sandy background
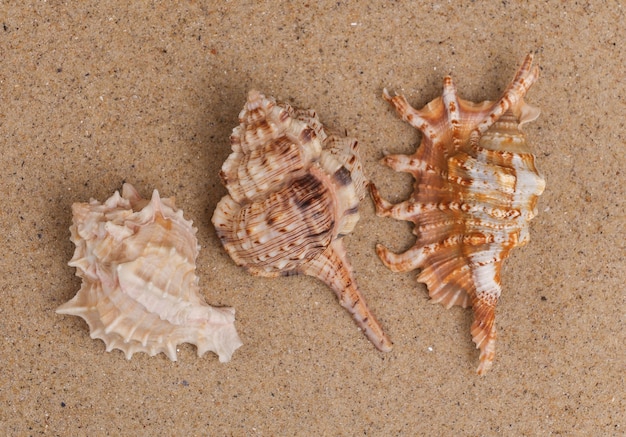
96	93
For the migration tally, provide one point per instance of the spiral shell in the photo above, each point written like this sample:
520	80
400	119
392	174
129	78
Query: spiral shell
294	189
140	291
475	192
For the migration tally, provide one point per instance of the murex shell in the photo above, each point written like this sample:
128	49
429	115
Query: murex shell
294	189
140	291
476	187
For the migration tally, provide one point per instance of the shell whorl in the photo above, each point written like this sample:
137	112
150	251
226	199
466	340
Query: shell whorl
294	189
475	192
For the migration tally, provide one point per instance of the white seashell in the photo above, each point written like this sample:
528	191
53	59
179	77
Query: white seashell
140	291
294	189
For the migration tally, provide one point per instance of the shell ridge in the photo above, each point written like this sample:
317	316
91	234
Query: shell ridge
156	298
454	290
484	334
343	192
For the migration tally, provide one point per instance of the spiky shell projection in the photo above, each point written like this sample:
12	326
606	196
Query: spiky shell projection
293	191
475	192
140	291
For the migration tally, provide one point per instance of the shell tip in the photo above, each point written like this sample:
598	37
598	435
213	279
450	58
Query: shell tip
129	192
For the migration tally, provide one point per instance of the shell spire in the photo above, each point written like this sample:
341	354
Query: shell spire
475	192
140	291
294	190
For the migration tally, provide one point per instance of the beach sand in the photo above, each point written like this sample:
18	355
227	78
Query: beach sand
94	94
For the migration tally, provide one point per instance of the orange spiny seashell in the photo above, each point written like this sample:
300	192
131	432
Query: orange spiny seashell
476	187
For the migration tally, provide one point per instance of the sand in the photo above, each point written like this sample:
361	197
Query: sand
93	94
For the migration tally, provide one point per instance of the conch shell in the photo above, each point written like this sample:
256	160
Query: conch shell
140	291
476	188
294	190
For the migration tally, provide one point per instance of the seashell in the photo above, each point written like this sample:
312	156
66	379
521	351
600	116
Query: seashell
140	291
476	187
294	189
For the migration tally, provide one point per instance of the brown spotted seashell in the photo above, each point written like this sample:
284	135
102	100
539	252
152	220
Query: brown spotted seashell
140	291
294	190
476	187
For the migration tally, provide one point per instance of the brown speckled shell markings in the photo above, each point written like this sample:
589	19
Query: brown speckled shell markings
294	189
140	291
475	192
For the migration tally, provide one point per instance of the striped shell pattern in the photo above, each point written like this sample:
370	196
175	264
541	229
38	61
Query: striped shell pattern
294	189
475	192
